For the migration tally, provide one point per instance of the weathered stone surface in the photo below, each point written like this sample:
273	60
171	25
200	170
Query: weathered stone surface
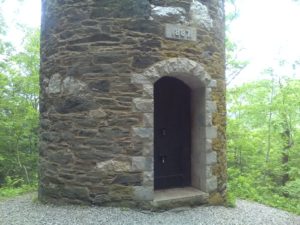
168	13
75	104
113	165
101	86
72	86
143	61
99	63
54	86
143	193
200	14
143	105
211	158
143	133
116	9
212	184
140	163
128	179
75	192
211	132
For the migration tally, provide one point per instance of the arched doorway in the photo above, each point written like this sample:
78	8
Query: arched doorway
172	133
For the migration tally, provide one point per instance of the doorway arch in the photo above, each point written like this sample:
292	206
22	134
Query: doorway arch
203	158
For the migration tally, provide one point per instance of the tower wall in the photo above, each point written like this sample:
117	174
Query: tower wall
99	61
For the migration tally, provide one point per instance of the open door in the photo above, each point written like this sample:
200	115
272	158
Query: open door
172	133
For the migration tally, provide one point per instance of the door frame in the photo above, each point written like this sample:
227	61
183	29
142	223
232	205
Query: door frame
203	133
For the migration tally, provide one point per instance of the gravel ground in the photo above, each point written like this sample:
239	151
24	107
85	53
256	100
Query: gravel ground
23	211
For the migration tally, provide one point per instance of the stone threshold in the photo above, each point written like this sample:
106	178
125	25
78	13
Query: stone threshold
178	197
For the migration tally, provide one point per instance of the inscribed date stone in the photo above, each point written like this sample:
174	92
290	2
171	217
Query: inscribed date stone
174	31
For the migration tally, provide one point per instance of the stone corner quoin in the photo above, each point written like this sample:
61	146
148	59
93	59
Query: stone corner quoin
99	65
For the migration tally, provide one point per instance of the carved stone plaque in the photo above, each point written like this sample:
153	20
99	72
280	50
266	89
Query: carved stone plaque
179	32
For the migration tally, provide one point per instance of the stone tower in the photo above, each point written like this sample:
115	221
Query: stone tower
132	102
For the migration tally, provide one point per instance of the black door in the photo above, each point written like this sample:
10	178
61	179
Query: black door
172	139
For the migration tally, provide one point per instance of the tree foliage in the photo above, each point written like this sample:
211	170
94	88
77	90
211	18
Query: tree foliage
19	90
264	141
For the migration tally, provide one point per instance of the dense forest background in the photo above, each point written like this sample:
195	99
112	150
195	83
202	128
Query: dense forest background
263	127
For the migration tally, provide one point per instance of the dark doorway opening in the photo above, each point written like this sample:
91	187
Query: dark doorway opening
172	133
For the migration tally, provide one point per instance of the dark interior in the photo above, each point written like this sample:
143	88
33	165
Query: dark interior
172	133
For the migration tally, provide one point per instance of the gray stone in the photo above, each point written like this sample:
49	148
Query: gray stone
200	15
148	178
75	192
75	104
143	61
212	184
114	165
212	84
211	107
71	85
61	158
143	105
143	133
211	158
211	132
208	119
121	9
169	13
54	86
128	179
140	164
143	193
148	90
145	26
148	119
97	113
102	86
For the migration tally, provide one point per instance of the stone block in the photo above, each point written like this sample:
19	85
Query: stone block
143	105
141	164
114	165
211	107
211	132
139	79
148	120
148	178
75	192
128	179
70	85
54	86
148	90
143	193
212	84
143	133
211	184
211	158
101	86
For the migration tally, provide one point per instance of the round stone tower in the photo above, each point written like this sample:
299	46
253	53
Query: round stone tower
132	102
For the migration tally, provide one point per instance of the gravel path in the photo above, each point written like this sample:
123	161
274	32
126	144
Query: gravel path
23	211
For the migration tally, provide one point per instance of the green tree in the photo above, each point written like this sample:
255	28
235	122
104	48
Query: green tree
263	140
19	92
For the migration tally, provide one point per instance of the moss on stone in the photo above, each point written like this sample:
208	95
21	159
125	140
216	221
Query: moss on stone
215	199
120	192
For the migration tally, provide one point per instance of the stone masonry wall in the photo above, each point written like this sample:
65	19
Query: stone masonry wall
90	50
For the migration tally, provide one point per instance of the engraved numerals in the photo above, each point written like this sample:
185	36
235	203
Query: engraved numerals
182	33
